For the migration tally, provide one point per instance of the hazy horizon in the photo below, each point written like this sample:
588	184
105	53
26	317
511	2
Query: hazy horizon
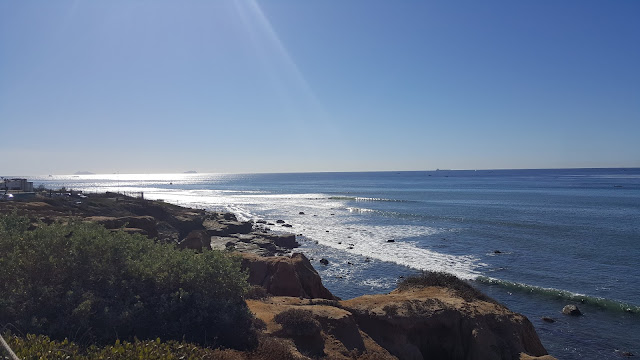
276	87
89	173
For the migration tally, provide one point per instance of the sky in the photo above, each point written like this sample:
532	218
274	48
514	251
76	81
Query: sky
155	86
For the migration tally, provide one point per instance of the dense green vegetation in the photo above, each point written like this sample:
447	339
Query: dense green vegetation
41	347
82	282
298	322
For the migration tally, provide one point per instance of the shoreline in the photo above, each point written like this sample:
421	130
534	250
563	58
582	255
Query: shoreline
279	275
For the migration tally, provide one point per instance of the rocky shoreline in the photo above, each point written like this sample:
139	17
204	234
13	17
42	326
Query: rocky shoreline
416	323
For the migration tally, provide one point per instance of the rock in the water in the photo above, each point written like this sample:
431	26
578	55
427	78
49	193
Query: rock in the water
548	319
301	213
324	261
279	221
571	310
287	225
497	252
390	240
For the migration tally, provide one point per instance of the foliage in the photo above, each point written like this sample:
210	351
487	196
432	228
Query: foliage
441	279
35	347
256	292
42	347
80	281
298	322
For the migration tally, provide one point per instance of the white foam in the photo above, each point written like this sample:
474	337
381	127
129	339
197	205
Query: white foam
328	221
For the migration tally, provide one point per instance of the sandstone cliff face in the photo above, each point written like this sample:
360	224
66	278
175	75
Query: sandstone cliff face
426	323
435	323
285	276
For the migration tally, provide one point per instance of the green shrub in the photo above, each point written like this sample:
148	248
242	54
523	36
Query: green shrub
256	292
83	282
298	322
440	279
42	347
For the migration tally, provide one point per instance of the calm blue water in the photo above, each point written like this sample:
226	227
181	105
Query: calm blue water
563	236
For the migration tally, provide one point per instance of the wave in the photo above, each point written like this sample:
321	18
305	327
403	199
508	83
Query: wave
551	293
357	198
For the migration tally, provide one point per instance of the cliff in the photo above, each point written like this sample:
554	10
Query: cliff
298	312
426	323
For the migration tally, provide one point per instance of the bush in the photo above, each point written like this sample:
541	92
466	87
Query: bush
440	279
272	349
83	282
297	322
256	292
42	347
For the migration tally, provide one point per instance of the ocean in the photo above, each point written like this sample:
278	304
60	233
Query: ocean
535	240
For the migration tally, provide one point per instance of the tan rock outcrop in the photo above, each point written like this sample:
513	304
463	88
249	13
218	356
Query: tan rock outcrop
435	323
285	276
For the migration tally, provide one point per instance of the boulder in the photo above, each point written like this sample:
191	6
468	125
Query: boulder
227	227
571	310
285	276
287	241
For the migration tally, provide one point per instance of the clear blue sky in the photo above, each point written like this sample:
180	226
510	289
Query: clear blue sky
277	86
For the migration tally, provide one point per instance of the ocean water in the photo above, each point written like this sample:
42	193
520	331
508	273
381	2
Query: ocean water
535	240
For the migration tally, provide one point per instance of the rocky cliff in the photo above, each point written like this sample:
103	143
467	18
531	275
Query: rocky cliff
426	323
415	322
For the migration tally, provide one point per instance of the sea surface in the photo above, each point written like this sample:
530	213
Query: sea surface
535	240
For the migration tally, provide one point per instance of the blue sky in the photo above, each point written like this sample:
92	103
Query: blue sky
284	86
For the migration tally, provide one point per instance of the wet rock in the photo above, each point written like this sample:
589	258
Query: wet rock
497	252
390	241
301	213
287	225
571	310
324	261
279	221
548	319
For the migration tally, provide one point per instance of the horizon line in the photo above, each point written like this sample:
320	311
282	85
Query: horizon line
87	173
